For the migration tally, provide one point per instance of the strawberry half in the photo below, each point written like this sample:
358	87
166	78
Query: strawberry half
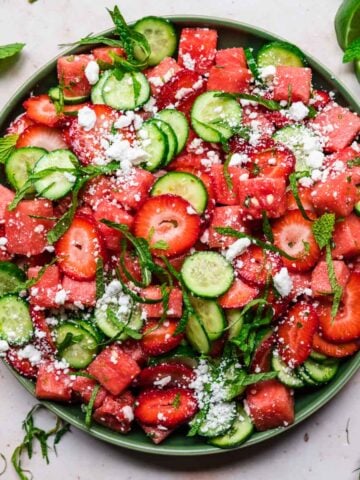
42	110
255	265
293	234
336	350
165	375
345	327
261	360
78	249
169	408
170	219
42	137
160	338
21	123
295	334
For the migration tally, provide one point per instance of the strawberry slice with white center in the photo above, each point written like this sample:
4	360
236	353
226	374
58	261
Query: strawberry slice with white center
42	110
169	223
42	137
295	334
293	234
79	248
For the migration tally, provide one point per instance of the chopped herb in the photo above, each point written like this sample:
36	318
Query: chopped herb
160	245
269	104
90	406
10	50
294	188
355	162
176	403
335	287
312	112
252	64
267	227
227	175
68	341
7	146
100	282
323	229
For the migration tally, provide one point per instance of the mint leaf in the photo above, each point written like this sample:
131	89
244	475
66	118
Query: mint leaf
355	162
323	228
7	146
335	287
160	245
10	50
352	52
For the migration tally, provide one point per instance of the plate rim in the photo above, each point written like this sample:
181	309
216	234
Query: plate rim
203	449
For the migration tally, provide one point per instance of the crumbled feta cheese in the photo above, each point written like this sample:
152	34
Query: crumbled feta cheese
297	111
283	282
60	297
315	159
188	62
4	346
86	118
236	249
127	154
162	381
31	353
128	413
3	241
182	92
92	71
238	159
267	72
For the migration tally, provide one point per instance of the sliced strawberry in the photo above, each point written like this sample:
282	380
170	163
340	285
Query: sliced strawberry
168	218
271	405
43	137
89	144
165	375
255	265
230	216
83	388
79	248
106	210
345	327
116	413
156	435
197	49
238	295
43	292
278	304
295	334
293	234
320	283
42	110
20	124
114	369
27	235
186	82
43	339
273	161
301	284
336	350
132	189
21	365
132	265
79	293
278	119
319	99
155	310
159	338
261	360
52	383
169	408
260	194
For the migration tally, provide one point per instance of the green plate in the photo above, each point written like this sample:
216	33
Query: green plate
231	34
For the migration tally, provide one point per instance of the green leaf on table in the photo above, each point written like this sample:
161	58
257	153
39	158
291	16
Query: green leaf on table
10	50
352	52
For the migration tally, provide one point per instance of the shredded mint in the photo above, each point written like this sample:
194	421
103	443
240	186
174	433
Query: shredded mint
160	245
335	287
269	104
355	162
99	277
323	229
90	406
266	227
352	52
252	64
7	146
293	178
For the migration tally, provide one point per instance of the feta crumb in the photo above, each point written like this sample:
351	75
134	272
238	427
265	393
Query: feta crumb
3	241
267	72
237	248
283	282
92	71
86	118
31	353
128	413
315	159
162	381
298	111
238	159
60	297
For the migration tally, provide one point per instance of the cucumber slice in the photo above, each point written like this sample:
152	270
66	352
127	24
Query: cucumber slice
154	143
235	322
161	36
302	373
207	274
214	118
82	348
321	372
171	138
20	164
96	91
213	425
178	123
196	335
11	277
301	140
127	93
185	185
240	431
280	53
232	386
58	183
286	375
111	329
211	316
54	94
318	357
90	327
16	326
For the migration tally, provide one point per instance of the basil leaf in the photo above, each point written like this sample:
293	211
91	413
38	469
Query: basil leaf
10	50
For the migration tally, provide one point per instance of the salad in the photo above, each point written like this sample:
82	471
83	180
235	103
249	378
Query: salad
179	235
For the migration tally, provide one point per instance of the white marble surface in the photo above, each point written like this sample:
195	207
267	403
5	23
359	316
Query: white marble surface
327	454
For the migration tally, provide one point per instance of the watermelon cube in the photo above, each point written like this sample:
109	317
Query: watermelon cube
197	49
27	235
223	194
4	253
115	213
53	384
156	434
345	155
132	189
234	57
71	74
114	369
320	283
102	53
6	197
43	293
239	294
155	310
230	78
337	125
161	74
271	405
79	293
292	83
262	194
338	195
116	413
83	388
347	237
230	216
